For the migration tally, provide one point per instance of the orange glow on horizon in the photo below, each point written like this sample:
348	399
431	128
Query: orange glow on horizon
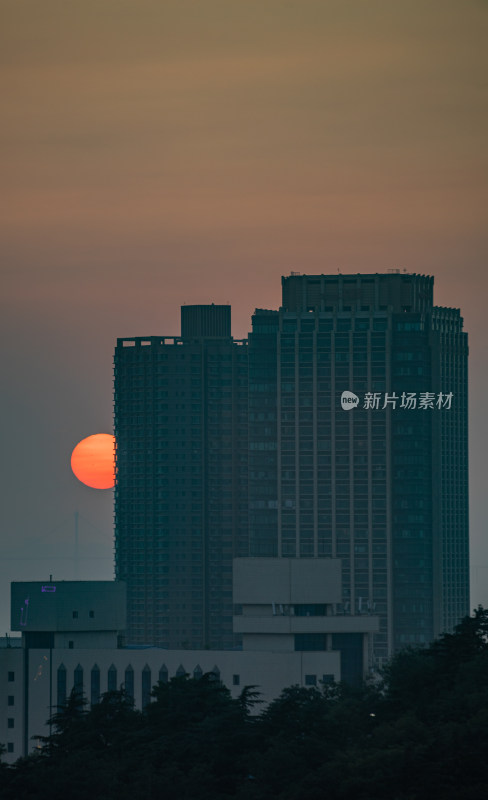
93	461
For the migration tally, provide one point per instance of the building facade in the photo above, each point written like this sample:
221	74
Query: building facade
338	430
358	446
72	635
181	488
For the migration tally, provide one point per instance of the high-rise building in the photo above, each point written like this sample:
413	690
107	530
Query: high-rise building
358	445
339	431
181	488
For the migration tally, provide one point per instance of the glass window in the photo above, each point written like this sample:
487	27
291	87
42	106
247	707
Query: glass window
61	685
146	685
78	679
362	324
129	681
380	324
314	610
325	324
95	685
112	679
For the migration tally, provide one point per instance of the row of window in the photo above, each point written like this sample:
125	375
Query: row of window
345	324
311	680
127	684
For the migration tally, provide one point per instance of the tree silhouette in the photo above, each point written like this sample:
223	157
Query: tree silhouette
420	732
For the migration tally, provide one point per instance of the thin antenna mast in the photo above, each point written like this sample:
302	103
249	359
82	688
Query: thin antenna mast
76	551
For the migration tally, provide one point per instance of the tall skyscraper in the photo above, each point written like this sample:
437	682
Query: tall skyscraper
339	430
358	445
181	489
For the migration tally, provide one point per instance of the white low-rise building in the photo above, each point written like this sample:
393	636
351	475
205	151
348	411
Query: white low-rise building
72	635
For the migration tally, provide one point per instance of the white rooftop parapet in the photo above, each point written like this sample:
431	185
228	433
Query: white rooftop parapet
260	581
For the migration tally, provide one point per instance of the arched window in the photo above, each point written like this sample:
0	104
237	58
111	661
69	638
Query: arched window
78	680
197	672
215	673
61	681
112	678
129	681
181	671
95	685
163	674
146	686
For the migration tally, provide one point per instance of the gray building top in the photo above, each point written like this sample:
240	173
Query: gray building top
67	606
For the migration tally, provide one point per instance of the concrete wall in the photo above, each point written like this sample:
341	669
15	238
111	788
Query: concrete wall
270	672
287	580
11	686
279	624
68	606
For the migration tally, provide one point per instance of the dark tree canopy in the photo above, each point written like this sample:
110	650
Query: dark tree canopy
419	732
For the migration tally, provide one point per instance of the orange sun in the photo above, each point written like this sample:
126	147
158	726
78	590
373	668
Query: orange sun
93	461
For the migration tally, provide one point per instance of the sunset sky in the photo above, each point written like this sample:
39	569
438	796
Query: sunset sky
161	152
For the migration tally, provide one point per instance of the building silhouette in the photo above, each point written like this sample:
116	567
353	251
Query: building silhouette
338	431
181	489
381	484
